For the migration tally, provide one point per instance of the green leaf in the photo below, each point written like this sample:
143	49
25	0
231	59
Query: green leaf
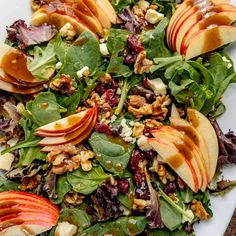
44	61
186	195
76	217
6	185
121	4
86	182
123	226
223	187
117	68
62	188
45	109
112	152
164	232
85	52
154	41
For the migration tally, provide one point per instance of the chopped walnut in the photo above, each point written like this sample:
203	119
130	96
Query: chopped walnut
30	183
85	155
136	101
163	174
138	129
199	210
95	99
105	78
150	123
153	7
36	4
140	204
73	198
173	197
106	113
112	181
138	11
181	183
142	64
157	109
63	84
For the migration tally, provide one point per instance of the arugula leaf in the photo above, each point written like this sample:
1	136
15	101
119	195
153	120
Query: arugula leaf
122	226
113	153
154	41
6	185
86	182
62	188
84	52
76	217
44	61
45	109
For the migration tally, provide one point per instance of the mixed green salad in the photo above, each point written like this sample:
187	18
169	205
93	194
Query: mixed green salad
113	92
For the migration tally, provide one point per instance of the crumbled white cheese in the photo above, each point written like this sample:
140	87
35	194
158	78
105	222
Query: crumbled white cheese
118	91
58	65
65	229
157	86
143	5
103	49
6	161
143	144
13	141
113	118
67	31
229	65
126	132
188	219
153	16
84	72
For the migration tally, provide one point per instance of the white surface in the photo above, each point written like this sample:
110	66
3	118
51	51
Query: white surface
223	208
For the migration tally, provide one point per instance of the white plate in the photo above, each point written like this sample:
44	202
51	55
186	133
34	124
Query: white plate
223	207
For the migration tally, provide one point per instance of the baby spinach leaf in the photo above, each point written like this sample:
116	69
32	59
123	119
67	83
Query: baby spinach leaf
45	109
85	52
112	153
44	61
123	226
117	68
154	41
76	217
62	188
86	182
6	185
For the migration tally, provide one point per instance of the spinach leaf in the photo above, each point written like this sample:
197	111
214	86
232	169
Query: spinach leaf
123	226
85	52
171	218
163	232
121	4
154	41
112	153
86	182
167	7
117	68
62	188
76	217
45	109
44	61
6	185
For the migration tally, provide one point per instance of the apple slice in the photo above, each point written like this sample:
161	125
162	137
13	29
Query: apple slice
208	40
189	150
171	155
99	13
106	6
206	130
221	18
184	126
174	111
64	125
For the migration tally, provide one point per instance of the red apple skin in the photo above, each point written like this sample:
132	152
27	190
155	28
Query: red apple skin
43	132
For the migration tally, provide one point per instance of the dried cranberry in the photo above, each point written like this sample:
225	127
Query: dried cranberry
147	132
116	130
103	128
169	187
90	209
150	154
112	98
130	59
134	160
145	83
100	89
134	43
123	185
188	228
141	190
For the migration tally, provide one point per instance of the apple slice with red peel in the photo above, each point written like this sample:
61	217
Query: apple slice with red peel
22	213
99	13
208	40
221	18
171	155
206	130
64	125
184	126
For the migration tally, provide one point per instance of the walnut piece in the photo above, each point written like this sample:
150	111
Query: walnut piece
140	204
106	113
138	130
30	183
142	64
157	109
181	183
105	78
151	123
138	11
136	101
36	4
163	174
73	198
199	210
95	99
63	84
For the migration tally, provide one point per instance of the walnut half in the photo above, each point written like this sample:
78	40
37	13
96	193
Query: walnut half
142	64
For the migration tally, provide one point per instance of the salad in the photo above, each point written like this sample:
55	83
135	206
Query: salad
108	117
